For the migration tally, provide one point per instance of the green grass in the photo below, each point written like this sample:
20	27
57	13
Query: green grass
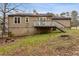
37	41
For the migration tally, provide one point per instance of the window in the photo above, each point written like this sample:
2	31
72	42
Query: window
42	19
17	20
26	20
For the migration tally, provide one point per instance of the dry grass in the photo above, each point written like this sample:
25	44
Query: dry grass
43	44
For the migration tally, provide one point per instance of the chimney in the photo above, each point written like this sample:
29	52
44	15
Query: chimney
35	12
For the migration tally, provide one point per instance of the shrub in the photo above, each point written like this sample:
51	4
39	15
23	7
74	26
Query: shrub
10	34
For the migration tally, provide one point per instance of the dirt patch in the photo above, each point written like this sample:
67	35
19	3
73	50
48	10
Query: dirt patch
53	47
7	40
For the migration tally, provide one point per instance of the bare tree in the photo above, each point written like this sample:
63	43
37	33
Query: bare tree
48	13
6	8
67	14
63	14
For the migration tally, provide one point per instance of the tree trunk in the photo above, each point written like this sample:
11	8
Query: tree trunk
4	17
4	22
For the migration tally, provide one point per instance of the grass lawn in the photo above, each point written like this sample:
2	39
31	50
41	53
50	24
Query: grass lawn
41	44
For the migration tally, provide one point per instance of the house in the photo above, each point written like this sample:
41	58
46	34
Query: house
21	24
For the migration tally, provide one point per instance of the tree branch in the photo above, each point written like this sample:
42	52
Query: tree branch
12	8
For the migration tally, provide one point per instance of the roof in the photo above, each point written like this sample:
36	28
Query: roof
61	18
30	15
40	15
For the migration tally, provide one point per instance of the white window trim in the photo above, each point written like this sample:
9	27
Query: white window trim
42	18
14	19
25	19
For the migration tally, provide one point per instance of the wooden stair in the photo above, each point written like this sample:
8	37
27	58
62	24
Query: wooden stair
59	26
62	30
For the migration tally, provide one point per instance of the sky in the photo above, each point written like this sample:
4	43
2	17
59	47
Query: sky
49	7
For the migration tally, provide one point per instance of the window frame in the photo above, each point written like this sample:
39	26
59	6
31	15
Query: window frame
25	19
17	19
42	18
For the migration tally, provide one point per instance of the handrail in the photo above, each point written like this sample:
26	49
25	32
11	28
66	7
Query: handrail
59	23
48	23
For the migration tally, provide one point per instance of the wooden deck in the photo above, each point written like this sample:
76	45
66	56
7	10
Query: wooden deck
49	24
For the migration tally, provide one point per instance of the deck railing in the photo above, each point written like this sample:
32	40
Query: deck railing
42	23
47	24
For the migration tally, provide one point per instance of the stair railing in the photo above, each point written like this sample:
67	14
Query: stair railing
58	24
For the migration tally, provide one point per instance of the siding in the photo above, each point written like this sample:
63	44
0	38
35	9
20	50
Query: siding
23	28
